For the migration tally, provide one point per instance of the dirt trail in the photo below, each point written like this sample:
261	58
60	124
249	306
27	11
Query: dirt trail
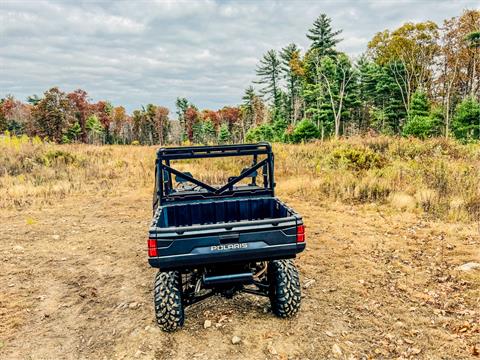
75	284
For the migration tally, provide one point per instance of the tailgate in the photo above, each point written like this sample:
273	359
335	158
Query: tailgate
257	240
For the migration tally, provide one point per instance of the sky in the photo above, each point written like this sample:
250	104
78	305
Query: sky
132	53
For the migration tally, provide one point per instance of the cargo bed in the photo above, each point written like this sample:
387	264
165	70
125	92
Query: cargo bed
218	212
243	229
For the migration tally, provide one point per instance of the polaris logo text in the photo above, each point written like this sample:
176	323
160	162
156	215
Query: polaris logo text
228	247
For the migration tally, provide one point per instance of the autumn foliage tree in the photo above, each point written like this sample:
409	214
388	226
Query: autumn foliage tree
192	117
103	111
53	115
212	116
15	116
409	51
231	116
81	110
161	124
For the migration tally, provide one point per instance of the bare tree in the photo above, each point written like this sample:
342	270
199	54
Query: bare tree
344	69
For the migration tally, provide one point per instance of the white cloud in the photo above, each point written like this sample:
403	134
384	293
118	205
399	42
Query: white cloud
137	52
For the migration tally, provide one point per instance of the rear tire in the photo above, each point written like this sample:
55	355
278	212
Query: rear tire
168	300
284	288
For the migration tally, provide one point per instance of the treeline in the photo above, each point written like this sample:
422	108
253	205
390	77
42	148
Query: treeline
72	117
418	80
422	80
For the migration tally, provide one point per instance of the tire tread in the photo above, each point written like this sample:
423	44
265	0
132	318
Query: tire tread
285	291
168	301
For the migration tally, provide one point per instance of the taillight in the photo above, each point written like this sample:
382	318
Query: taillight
152	247
301	233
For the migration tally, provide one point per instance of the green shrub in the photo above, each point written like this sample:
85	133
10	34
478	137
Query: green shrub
58	156
304	131
356	159
263	132
419	126
279	126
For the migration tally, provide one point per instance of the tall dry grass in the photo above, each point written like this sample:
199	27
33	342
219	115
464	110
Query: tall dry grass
437	177
33	173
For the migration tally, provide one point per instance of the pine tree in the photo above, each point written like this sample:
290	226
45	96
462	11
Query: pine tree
419	105
148	124
288	55
419	123
224	135
248	109
466	121
269	71
198	133
182	105
209	133
323	37
473	40
249	99
389	96
381	97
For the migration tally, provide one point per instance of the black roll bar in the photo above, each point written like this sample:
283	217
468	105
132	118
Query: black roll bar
163	183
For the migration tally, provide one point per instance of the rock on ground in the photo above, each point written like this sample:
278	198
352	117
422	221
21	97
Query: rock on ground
469	266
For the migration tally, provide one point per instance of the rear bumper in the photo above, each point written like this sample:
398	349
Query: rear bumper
254	251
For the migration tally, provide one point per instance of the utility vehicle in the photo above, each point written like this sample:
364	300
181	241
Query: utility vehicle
221	239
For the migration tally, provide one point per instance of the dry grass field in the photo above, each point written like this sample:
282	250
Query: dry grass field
388	222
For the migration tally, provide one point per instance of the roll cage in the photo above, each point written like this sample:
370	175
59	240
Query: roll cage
165	192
